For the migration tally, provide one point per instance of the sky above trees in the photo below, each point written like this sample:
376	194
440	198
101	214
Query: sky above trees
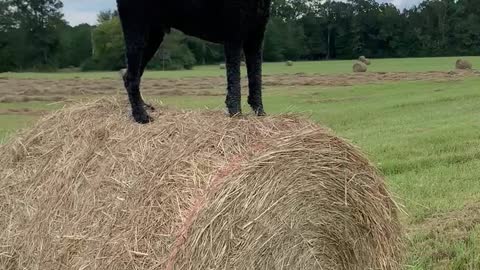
402	3
85	11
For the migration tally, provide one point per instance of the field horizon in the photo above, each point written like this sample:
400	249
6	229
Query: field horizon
420	64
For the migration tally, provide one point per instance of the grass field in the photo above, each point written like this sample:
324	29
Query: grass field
423	135
325	67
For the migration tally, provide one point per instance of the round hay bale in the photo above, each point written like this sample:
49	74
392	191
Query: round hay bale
289	63
222	66
88	188
463	64
359	67
364	60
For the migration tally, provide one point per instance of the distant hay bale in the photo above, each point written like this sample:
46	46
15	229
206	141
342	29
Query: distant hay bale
88	188
243	64
289	63
463	64
223	66
364	60
359	67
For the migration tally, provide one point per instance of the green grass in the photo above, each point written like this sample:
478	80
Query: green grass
324	67
424	136
9	124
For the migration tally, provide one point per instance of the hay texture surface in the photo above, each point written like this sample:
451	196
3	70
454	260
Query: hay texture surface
359	67
364	60
86	188
463	64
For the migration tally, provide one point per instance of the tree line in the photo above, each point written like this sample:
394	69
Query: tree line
35	36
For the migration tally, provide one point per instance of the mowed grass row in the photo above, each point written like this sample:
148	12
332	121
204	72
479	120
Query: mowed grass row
424	136
323	67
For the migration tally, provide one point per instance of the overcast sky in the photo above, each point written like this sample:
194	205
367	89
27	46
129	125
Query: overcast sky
85	11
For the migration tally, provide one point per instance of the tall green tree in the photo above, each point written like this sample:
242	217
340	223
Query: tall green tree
40	21
108	46
466	27
106	15
76	45
273	43
7	25
174	53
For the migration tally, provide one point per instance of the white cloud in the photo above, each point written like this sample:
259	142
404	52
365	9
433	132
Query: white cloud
78	17
85	11
402	4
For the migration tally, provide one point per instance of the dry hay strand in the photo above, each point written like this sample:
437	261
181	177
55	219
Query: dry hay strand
86	188
359	67
463	64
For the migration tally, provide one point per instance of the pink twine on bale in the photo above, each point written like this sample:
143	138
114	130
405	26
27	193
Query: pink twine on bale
201	200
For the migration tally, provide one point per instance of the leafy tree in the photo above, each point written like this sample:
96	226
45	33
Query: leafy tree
174	53
39	21
273	43
106	15
391	32
76	45
7	23
466	27
108	46
205	52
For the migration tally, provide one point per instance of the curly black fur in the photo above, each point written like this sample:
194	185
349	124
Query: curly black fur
237	24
